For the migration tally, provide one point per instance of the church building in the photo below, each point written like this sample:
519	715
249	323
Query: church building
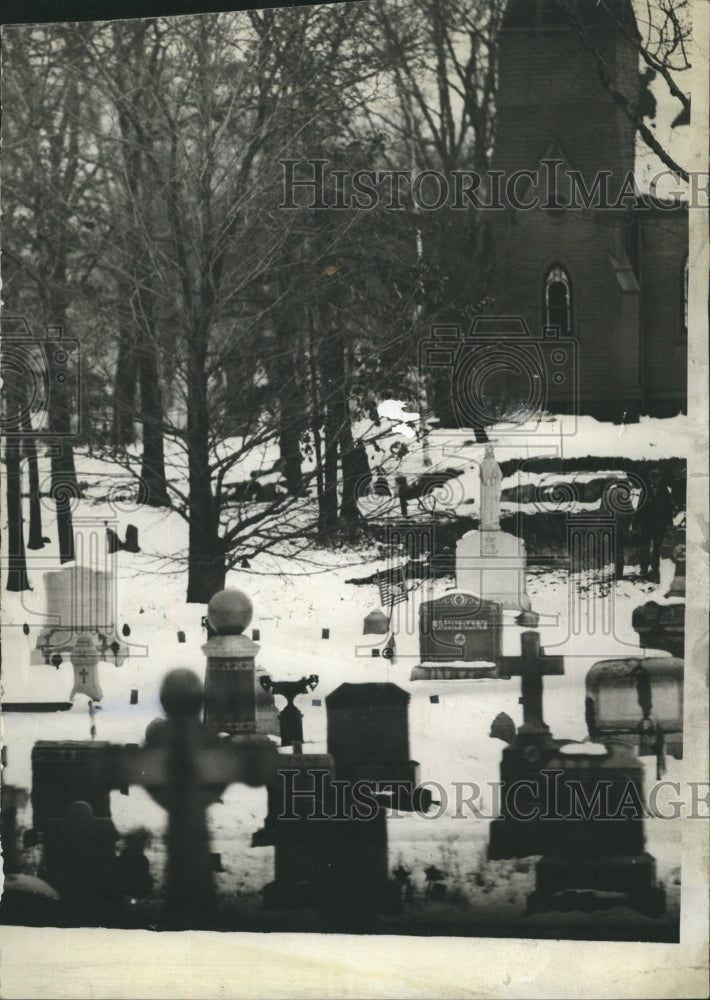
610	272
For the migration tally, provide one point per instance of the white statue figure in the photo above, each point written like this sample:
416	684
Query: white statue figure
491	478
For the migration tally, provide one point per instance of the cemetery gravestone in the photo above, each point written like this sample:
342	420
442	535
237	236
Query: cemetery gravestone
524	760
376	623
234	703
600	860
661	626
301	803
490	562
185	767
85	659
368	737
461	629
63	772
79	599
587	853
617	705
79	861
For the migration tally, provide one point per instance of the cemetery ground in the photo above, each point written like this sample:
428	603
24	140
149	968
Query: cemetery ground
449	721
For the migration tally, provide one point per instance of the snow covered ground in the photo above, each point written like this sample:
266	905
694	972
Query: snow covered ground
292	604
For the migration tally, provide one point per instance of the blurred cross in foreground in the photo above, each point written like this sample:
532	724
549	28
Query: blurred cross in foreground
186	767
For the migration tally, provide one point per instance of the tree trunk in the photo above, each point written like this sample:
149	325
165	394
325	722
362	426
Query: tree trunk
63	492
290	405
328	505
316	414
349	512
17	566
153	459
332	403
206	563
64	486
289	446
124	388
36	539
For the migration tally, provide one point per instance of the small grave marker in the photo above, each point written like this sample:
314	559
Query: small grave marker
434	699
181	636
325	633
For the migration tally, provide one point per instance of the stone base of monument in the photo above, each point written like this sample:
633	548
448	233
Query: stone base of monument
53	642
456	671
597	883
493	563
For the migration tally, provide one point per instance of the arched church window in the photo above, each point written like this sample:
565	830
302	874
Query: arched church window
558	300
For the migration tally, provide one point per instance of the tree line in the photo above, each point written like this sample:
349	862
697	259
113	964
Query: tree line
142	177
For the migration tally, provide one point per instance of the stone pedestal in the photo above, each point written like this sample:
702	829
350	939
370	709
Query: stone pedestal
230	684
234	702
493	564
300	806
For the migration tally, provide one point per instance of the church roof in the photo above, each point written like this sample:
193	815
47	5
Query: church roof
552	13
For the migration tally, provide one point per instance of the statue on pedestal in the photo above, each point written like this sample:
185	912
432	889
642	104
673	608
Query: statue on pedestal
491	478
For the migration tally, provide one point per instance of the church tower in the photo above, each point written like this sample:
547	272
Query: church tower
550	92
574	268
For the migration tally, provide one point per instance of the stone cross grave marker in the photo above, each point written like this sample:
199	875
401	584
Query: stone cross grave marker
186	767
531	667
526	755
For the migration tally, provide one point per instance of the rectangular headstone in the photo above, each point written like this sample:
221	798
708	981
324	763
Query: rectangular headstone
65	771
460	626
